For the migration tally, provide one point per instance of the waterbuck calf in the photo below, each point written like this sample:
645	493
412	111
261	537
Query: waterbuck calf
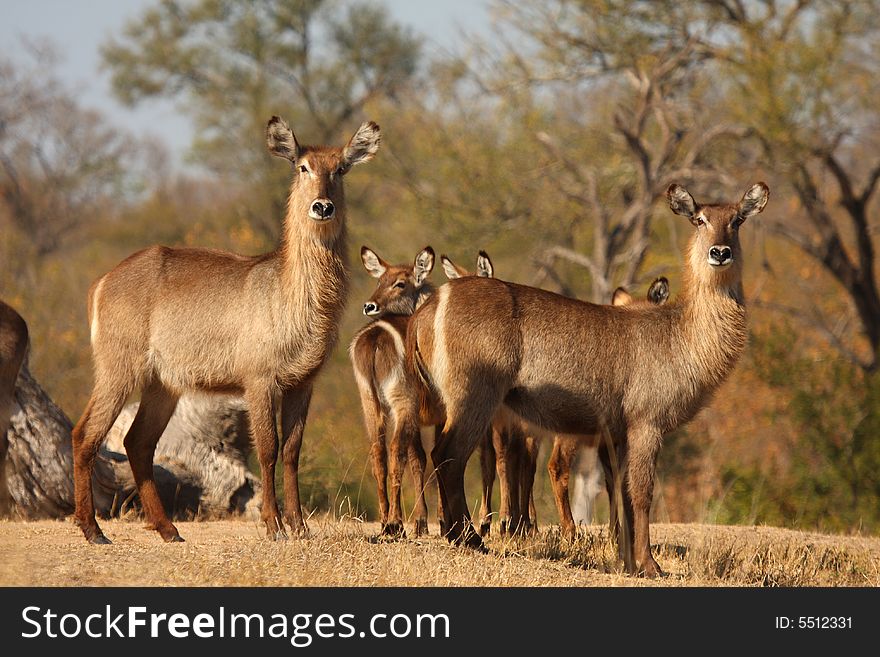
377	357
580	368
170	320
13	349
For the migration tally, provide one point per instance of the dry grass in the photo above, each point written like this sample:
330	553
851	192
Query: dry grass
346	553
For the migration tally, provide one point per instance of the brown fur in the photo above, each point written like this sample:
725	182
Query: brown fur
171	320
13	350
377	357
379	369
576	367
566	447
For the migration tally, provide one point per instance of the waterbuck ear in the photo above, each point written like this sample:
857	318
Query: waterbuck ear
680	201
281	140
373	263
423	264
754	200
484	265
621	297
362	146
658	293
449	268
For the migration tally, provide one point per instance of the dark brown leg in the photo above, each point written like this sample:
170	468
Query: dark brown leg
441	519
87	436
528	466
402	436
264	433
294	411
487	469
559	468
642	448
155	410
417	463
507	464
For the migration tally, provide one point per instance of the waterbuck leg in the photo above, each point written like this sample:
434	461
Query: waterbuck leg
609	468
294	410
441	519
379	460
104	405
559	467
487	470
264	434
451	455
401	437
642	448
528	467
507	464
417	463
155	410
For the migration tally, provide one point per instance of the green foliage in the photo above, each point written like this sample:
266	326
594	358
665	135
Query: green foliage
832	479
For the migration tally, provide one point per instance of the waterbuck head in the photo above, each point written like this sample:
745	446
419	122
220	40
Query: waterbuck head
317	191
658	294
714	248
401	288
484	267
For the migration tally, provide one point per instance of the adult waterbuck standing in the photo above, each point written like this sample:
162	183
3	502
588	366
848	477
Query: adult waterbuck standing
579	368
170	320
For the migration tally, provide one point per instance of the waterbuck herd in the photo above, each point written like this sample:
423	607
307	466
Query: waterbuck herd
484	361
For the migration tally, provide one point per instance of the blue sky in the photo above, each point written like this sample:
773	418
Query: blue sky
79	27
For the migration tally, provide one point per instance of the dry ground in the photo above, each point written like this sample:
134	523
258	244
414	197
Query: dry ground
346	553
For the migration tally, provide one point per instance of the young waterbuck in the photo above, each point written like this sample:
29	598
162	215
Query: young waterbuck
579	368
13	349
170	320
377	357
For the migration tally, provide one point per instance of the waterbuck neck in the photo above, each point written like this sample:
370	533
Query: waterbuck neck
314	272
713	314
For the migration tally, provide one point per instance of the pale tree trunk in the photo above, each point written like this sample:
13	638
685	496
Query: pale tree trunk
200	465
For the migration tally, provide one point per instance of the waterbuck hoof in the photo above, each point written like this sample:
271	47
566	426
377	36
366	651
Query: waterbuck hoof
99	539
651	569
420	528
177	538
485	528
298	528
393	530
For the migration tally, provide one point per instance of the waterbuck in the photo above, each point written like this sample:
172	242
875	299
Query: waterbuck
377	357
170	320
506	449
13	349
580	368
566	448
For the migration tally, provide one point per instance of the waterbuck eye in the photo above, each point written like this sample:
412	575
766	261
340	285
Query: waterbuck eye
400	284
340	171
303	168
699	221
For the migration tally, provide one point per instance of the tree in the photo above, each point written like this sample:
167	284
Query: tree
610	169
802	77
59	163
235	63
